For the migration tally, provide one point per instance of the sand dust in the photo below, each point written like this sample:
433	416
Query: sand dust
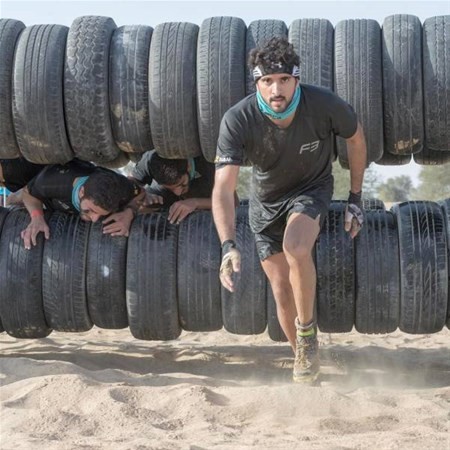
106	390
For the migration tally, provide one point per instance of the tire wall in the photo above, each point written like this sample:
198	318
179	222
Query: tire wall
402	84
358	80
423	266
10	30
38	107
172	90
128	87
220	75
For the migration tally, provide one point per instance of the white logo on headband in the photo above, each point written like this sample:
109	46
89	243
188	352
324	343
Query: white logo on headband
258	71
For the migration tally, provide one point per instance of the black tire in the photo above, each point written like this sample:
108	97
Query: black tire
388	159
372	204
121	160
429	157
199	258
358	80
313	41
10	30
38	106
105	279
151	278
220	75
21	304
335	290
402	84
274	329
258	33
128	87
423	267
445	205
3	215
86	90
377	274
436	82
64	274
172	84
245	310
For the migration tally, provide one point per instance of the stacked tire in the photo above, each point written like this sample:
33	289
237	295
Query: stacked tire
107	94
164	278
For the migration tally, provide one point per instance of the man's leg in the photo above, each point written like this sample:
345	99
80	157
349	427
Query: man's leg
277	270
298	243
299	238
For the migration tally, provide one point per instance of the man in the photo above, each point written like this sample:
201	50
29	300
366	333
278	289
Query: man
182	185
15	174
79	187
285	131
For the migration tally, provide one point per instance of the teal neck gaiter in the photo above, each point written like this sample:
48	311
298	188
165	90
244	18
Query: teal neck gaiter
266	109
76	190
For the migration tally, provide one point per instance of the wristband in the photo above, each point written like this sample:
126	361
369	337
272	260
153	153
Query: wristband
355	198
36	213
227	246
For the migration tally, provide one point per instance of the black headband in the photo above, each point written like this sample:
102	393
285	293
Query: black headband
279	67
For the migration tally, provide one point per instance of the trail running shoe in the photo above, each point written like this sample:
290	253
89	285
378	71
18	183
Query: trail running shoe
307	363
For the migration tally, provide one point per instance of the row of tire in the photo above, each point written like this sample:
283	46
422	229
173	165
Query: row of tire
108	94
164	278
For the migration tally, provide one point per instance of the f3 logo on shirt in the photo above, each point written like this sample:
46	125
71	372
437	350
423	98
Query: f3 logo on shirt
309	147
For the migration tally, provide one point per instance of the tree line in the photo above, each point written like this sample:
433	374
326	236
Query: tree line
434	184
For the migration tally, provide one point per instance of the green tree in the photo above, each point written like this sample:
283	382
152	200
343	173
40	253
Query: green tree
397	189
341	182
434	183
371	183
244	182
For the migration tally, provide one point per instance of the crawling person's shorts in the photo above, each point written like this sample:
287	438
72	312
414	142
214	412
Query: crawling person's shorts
268	220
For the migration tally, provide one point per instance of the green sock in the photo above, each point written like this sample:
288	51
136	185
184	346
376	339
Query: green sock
308	332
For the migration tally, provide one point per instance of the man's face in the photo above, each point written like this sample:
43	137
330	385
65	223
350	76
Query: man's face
277	90
90	212
181	187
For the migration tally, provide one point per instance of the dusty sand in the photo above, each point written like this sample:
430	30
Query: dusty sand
106	390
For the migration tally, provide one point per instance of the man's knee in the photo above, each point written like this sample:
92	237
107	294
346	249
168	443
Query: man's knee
297	250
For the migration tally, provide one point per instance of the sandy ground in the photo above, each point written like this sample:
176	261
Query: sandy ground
106	390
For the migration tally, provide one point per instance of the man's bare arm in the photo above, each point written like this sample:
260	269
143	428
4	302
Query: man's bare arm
37	224
223	201
357	159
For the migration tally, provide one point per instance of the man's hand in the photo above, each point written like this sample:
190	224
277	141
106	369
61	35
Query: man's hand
181	209
152	199
354	217
118	224
231	263
37	225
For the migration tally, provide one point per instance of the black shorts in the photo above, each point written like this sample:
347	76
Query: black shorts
268	220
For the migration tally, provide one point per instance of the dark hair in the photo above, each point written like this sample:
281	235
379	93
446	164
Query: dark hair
109	190
276	50
167	171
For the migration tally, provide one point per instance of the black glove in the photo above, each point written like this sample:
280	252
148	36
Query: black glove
354	217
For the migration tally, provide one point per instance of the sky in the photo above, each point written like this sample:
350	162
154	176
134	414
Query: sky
155	12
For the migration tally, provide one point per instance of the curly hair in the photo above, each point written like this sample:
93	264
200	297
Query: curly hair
109	190
167	171
275	51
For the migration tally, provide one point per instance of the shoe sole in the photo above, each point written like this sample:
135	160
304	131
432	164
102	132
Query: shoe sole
306	378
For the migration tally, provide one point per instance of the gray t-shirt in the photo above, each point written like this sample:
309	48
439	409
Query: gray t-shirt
293	159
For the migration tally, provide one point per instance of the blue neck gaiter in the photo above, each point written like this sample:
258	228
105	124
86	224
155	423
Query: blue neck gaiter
191	168
76	190
266	109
